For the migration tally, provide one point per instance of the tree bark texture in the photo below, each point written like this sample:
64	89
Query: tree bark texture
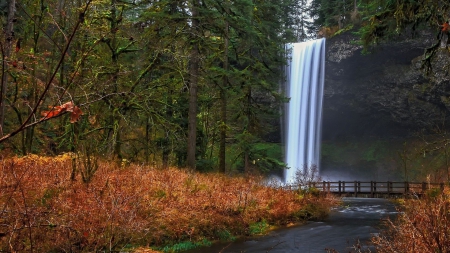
5	58
223	110
193	89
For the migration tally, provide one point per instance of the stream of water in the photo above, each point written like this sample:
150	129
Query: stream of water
355	220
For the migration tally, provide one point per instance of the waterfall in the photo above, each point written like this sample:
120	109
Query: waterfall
305	80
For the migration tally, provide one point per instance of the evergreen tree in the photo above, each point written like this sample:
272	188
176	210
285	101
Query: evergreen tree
183	82
328	13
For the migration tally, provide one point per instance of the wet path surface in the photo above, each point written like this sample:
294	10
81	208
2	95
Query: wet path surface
355	220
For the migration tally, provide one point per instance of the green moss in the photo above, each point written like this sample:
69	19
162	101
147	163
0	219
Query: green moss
225	235
312	212
343	30
183	246
259	228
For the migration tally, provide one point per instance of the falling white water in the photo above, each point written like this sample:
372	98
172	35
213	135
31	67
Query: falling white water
304	87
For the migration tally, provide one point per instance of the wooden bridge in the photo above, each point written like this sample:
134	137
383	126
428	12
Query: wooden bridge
374	189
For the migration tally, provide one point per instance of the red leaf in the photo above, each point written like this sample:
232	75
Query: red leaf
53	112
445	27
69	107
18	45
76	114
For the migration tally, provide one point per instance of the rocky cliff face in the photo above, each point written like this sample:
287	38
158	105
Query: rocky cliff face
375	103
384	93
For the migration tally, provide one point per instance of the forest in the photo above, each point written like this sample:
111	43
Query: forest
185	83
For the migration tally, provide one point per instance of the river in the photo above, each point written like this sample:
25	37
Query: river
355	220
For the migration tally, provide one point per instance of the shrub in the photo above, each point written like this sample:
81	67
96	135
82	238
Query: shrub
422	226
44	209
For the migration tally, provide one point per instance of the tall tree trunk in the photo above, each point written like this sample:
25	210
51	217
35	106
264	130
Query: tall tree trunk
249	128
148	129
166	143
115	148
223	105
5	57
193	89
28	134
246	162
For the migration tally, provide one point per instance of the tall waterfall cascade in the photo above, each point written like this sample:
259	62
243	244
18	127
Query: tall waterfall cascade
305	73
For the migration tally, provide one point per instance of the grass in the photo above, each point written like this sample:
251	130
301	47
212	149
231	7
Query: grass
183	246
42	210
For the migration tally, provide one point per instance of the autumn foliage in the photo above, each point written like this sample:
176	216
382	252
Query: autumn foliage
42	210
423	225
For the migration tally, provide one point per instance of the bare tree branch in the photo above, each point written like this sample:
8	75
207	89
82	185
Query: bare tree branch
47	87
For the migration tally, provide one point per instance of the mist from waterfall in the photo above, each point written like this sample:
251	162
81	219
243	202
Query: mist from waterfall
304	86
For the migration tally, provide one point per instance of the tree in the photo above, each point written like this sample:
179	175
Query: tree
256	97
194	67
387	19
297	20
6	54
223	93
332	13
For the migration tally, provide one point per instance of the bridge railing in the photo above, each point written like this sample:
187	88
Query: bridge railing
374	188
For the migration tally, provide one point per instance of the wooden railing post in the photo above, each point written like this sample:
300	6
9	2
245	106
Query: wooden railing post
375	187
389	188
371	189
355	189
339	188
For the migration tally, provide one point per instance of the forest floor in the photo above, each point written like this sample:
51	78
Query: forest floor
110	207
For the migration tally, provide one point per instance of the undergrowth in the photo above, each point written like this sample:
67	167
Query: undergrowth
122	208
423	225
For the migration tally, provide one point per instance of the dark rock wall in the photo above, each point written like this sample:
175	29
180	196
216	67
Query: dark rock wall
375	103
384	93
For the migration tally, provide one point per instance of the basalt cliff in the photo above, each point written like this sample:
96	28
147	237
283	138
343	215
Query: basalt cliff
386	92
376	103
